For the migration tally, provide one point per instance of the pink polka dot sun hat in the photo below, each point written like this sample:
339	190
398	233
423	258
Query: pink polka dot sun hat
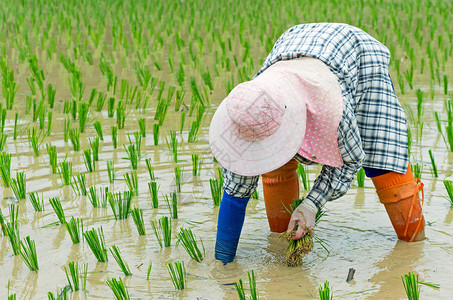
293	107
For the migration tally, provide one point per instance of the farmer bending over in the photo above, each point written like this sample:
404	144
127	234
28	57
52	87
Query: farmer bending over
323	96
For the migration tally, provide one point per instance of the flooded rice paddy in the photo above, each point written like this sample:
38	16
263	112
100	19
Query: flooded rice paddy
356	226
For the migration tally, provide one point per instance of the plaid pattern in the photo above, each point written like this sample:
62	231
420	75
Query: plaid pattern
372	130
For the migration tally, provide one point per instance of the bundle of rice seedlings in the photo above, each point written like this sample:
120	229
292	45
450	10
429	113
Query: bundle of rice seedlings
298	249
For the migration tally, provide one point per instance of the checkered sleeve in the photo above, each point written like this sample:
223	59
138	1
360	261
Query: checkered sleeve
332	183
238	185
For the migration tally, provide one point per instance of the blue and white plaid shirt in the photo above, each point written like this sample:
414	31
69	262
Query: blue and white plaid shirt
372	129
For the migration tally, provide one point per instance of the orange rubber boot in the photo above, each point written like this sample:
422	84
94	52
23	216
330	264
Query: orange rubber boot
399	194
280	188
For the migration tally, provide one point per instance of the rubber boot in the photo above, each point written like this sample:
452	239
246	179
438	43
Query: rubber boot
400	195
280	188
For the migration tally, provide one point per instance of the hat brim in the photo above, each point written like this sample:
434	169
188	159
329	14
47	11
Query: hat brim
258	157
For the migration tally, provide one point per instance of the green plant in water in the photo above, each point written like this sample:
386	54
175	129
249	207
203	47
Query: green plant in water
433	163
193	131
115	136
52	151
11	228
149	270
111	170
411	286
189	242
76	278
216	190
173	206
96	242
56	205
89	162
74	136
449	187
118	288
150	169
325	292
178	178
172	145
255	195
302	171
155	134
252	283
162	231
5	168
178	274
38	204
18	185
74	227
142	126
79	184
137	216
120	261
120	204
3	138
196	165
35	141
361	178
132	182
28	253
98	127
94	144
83	114
132	155
417	170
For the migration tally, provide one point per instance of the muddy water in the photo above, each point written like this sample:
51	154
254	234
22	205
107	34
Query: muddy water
356	227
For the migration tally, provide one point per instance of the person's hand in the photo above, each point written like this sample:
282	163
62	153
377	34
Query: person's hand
304	217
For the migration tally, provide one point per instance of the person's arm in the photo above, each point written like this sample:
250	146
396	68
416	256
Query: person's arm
237	191
332	183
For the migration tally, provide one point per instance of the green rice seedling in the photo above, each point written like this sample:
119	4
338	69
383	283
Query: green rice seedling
74	276
196	165
137	216
118	288
52	151
111	170
31	85
240	289
449	130
120	261
74	109
66	129
189	242
445	77
51	95
79	184
179	99
138	142
49	123
157	232
74	228
206	76
325	292
100	101
111	107
65	172
74	136
98	127
449	187
19	186
252	283
35	141
11	228
120	115
361	178
3	138
38	204
172	144
132	182
142	126
255	195
411	286
149	270
5	168
153	191
28	253
120	204
216	190
178	178
178	274
193	131
93	94
96	242
302	171
115	136
89	162
182	121
132	155
150	169
11	296
433	163
417	170
94	144
419	94
173	206
16	127
155	134
56	205
162	231
93	196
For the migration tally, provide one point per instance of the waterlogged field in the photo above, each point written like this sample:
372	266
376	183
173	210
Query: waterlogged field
105	109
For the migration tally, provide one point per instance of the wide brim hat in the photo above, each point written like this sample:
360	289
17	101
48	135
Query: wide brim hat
293	107
259	127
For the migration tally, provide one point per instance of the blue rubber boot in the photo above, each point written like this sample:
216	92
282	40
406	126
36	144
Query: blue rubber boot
229	226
